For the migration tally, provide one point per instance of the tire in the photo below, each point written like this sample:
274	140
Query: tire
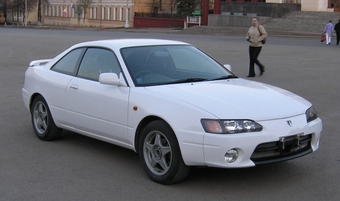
42	121
160	154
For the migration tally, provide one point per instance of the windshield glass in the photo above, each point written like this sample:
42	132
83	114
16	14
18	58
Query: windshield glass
171	64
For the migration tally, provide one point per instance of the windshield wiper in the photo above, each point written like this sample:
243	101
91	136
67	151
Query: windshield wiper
198	79
225	77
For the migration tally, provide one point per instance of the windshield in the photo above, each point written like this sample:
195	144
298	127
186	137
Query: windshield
171	64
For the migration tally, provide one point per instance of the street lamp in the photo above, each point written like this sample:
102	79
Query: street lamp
101	14
25	14
127	14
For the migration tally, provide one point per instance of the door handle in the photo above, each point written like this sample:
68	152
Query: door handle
73	87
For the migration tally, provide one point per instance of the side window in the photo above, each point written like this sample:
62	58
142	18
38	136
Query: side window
97	61
69	62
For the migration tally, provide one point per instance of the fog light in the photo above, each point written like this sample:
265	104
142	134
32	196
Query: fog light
231	156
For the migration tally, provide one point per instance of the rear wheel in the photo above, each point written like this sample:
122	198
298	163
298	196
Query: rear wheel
42	121
160	154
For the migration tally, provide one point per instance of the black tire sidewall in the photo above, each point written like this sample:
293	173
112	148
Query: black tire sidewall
164	128
52	131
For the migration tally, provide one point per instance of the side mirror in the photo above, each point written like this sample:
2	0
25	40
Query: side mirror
110	79
227	66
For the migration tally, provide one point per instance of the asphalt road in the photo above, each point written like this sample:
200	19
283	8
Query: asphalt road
80	168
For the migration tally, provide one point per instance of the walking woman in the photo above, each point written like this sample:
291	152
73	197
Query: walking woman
329	28
256	34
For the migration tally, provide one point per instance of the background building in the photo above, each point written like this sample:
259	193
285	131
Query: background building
311	5
15	11
121	13
102	13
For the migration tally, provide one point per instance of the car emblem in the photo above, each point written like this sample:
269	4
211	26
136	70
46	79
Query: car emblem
290	123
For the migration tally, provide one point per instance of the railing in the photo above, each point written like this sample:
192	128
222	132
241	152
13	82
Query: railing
157	15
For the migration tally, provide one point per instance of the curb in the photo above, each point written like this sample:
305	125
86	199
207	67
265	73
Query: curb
195	30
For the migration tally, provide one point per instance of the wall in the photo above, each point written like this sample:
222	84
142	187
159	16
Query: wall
316	5
153	6
101	13
309	5
275	10
146	22
31	19
234	21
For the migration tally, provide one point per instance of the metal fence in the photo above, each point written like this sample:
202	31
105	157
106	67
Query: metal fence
158	15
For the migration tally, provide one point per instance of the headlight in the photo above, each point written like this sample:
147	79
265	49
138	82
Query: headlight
230	126
311	114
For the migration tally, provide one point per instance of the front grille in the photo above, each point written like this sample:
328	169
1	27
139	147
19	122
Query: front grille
285	149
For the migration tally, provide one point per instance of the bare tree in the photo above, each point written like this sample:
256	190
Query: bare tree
82	6
40	3
3	4
18	7
185	8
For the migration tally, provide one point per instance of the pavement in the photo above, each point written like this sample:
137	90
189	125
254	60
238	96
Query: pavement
200	30
226	30
80	168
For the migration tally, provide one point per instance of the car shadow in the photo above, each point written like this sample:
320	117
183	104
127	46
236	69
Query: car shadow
269	173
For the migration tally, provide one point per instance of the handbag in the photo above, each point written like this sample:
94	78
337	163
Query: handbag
264	40
323	38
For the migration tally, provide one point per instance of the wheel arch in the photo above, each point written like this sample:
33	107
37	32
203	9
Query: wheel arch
142	125
33	96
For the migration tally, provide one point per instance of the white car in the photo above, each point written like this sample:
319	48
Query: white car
169	102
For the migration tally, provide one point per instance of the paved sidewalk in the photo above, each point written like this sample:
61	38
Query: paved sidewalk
219	30
225	30
198	30
80	168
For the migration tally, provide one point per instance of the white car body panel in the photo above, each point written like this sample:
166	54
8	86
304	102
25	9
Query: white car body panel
215	146
174	98
237	99
109	111
117	111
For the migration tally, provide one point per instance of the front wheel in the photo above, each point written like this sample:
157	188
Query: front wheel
42	121
160	154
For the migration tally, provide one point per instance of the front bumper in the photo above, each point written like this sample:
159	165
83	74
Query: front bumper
286	148
278	141
25	97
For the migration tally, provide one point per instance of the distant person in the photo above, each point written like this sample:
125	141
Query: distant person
255	36
337	31
329	31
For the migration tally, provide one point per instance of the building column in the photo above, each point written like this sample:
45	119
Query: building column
205	11
217	6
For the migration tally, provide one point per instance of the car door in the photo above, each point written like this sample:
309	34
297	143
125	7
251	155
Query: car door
93	108
57	80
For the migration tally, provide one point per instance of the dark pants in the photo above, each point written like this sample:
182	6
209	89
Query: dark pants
337	38
254	52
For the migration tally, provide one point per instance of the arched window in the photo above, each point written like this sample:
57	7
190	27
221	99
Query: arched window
115	14
109	13
121	14
128	14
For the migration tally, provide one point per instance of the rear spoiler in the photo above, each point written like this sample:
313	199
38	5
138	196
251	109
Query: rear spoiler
39	62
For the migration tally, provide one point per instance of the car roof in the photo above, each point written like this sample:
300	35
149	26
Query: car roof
122	43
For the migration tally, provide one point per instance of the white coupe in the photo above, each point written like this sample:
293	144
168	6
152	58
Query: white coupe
169	102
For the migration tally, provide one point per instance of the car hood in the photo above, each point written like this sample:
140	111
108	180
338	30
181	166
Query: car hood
236	98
